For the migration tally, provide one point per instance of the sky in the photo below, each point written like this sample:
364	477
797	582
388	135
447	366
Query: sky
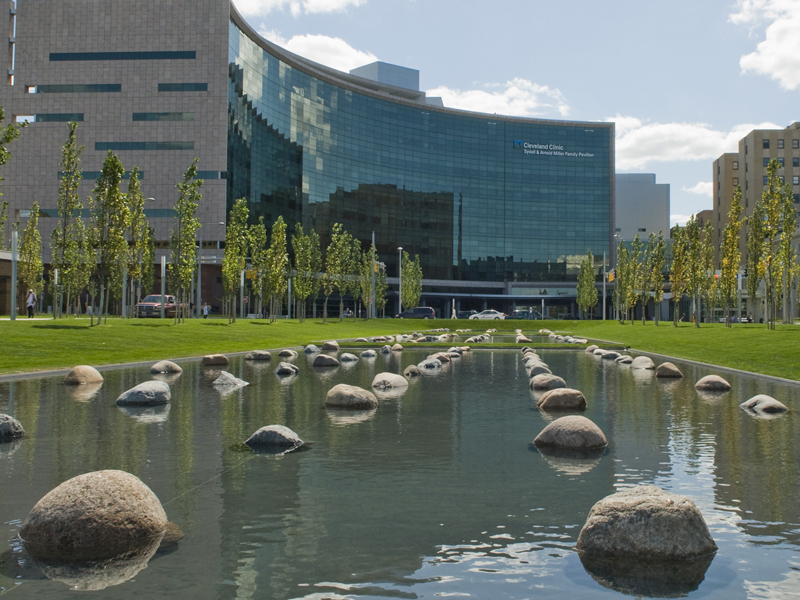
684	80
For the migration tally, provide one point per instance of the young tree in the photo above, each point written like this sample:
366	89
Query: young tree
3	219
8	134
110	220
307	264
645	275
622	280
183	247
337	265
368	269
755	241
277	266
381	291
730	256
657	260
354	274
137	235
633	275
678	272
412	281
148	262
695	274
257	240
233	262
769	267
787	255
30	265
587	291
709	287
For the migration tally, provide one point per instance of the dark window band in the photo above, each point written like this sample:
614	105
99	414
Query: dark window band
211	175
158	213
164	116
156	55
182	87
58	117
78	88
144	146
93	175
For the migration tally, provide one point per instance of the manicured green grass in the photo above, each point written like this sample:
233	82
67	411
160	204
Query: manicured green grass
42	344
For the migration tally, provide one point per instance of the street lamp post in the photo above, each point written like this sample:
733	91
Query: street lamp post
400	279
616	278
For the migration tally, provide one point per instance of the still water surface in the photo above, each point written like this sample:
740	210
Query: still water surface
437	493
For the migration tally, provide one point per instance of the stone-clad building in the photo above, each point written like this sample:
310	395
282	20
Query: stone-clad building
500	209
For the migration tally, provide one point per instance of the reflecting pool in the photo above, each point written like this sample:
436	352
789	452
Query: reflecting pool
435	493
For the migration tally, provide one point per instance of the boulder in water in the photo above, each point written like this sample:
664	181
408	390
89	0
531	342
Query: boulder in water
165	366
350	396
712	383
10	429
668	369
562	399
148	393
83	374
572	433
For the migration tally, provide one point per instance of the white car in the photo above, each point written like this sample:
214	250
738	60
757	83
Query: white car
488	314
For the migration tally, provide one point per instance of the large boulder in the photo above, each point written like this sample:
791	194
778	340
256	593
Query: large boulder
347	357
83	374
387	349
763	404
10	429
430	364
165	366
330	346
258	355
323	360
149	393
623	359
350	396
384	381
274	436
562	399
310	349
668	369
643	362
93	516
539	369
412	371
591	349
442	357
227	382
712	383
287	353
214	360
645	522
397	348
286	368
545	381
609	355
369	354
572	433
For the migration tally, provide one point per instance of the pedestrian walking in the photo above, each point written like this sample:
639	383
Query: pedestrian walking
30	302
205	310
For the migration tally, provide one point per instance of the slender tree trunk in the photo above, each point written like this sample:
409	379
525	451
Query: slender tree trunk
325	311
341	306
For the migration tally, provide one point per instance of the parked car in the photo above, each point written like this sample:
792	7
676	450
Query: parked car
528	314
489	314
420	312
466	314
150	306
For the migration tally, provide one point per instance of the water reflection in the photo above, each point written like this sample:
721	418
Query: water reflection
147	414
85	392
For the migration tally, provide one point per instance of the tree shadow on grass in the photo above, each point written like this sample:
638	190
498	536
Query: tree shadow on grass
265	322
60	326
214	324
152	324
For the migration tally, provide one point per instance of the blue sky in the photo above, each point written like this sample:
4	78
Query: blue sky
683	80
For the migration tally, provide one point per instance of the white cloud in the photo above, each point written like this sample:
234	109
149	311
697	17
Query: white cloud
704	188
518	97
329	51
639	144
260	8
778	56
678	219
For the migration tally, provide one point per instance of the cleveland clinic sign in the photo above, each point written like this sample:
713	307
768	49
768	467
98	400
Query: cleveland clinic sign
548	150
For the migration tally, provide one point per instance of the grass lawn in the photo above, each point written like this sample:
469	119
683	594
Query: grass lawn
40	344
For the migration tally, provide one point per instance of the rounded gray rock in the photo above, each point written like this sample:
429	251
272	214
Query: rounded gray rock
397	348
562	399
83	374
10	429
609	355
384	381
92	516
274	436
149	393
165	366
545	381
347	357
572	433
387	349
539	369
645	522
311	349
591	349
323	360
712	383
286	368
286	353
442	357
412	371
623	359
228	381
430	364
330	346
369	354
667	369
350	396
215	360
643	362
258	355
763	404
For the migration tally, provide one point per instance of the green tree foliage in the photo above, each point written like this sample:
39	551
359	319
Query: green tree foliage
307	266
8	134
381	291
139	251
755	240
633	276
183	248
679	270
709	290
257	240
3	220
587	291
367	272
412	281
622	280
787	255
769	268
148	263
354	275
233	263
337	267
277	267
730	256
695	273
110	221
30	266
657	262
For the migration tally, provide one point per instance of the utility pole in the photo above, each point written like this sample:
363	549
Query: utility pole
163	284
604	285
400	279
199	274
14	244
371	310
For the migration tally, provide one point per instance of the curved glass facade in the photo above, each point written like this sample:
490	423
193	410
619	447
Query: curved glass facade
478	197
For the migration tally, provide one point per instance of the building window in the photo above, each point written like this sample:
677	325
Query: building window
92	175
780	144
795	144
735	165
618	229
797	198
642	229
103	146
766	144
211	175
766	178
796	180
735	181
780	160
156	55
164	116
75	88
182	87
766	161
50	118
796	161
782	178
